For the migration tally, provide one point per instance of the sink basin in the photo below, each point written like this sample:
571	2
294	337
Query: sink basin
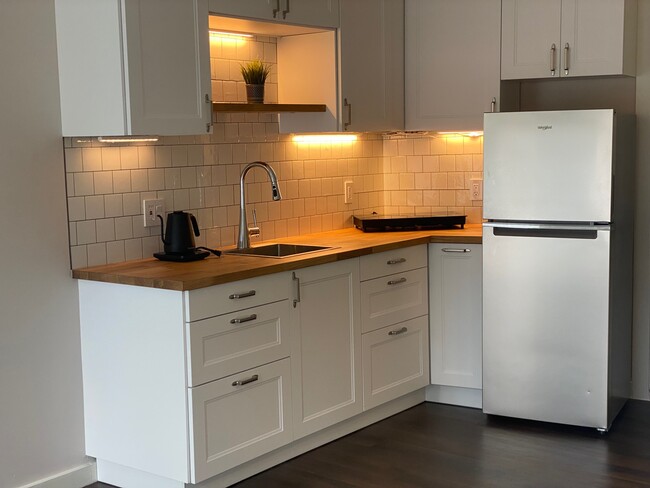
277	250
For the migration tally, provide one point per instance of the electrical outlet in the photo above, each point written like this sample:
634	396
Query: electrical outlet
151	210
347	191
476	189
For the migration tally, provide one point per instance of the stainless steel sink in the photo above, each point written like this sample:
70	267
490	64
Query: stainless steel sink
277	250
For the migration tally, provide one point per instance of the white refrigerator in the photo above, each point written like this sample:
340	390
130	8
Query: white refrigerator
557	265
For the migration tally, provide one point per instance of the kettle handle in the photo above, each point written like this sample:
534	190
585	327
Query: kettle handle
195	225
162	229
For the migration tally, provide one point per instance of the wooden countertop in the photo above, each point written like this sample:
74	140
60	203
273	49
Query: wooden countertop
346	243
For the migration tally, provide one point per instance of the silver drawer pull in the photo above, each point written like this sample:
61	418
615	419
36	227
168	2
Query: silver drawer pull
246	381
396	261
398	332
244	319
451	249
396	282
236	296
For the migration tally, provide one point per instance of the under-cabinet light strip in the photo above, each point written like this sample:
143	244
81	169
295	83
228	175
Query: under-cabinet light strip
320	138
118	140
466	134
230	35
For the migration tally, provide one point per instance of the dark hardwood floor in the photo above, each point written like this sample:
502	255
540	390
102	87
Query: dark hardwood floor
433	445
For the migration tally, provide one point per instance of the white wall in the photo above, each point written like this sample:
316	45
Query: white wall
41	415
641	337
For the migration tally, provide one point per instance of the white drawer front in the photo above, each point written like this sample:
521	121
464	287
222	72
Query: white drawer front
391	262
395	361
224	345
233	424
394	298
229	297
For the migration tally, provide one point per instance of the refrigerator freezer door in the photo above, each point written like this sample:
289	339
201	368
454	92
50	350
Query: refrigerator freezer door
548	166
545	324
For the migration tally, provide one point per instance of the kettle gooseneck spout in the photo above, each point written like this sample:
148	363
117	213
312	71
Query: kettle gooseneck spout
244	235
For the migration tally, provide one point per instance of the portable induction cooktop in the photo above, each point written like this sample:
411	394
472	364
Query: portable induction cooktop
394	223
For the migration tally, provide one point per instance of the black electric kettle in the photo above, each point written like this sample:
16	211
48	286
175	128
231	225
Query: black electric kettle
178	238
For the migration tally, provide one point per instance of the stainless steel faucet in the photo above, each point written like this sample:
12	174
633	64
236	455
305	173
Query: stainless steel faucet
244	232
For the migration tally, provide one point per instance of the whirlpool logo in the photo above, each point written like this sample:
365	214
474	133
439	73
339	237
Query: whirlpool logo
544	127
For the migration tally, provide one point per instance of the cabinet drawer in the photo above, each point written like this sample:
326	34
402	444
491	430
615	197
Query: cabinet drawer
394	298
233	423
238	295
223	345
395	361
390	262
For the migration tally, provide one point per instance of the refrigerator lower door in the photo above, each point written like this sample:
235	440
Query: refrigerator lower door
545	323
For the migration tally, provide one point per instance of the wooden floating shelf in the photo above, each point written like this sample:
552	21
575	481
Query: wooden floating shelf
268	107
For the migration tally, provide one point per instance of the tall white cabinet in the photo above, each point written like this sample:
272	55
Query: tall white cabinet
452	63
568	38
372	65
455	321
134	67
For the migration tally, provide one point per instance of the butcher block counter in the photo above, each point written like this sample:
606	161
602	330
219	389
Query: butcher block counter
345	243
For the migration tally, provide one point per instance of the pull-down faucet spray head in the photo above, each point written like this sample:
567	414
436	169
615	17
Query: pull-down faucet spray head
244	236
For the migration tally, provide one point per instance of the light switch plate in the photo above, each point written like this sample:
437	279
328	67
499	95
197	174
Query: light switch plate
151	209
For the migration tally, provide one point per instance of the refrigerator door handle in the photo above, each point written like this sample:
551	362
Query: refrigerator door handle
567	231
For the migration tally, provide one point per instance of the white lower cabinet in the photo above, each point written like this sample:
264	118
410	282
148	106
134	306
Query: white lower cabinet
395	361
240	417
326	346
455	289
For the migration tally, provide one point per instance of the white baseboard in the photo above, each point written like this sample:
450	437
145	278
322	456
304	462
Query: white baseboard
78	477
452	395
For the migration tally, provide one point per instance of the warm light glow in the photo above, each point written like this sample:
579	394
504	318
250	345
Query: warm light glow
466	134
324	138
119	140
232	36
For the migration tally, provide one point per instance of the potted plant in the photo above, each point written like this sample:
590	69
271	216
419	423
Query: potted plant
254	74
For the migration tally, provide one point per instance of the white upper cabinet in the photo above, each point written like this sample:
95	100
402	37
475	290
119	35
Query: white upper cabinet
133	67
320	13
563	38
372	65
452	63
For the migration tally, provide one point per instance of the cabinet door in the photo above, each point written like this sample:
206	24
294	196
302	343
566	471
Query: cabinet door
372	65
592	37
167	55
395	361
254	9
455	314
318	13
239	418
452	63
326	346
530	31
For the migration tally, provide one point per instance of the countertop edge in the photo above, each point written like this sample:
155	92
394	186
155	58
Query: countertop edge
260	266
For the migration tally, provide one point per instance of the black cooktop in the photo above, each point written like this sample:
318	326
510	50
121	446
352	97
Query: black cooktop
395	223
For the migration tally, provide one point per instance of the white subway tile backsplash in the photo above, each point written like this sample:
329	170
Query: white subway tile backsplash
132	204
123	228
86	232
103	182
83	184
91	158
110	158
76	209
95	207
78	256
139	180
105	229
73	161
115	252
96	254
121	181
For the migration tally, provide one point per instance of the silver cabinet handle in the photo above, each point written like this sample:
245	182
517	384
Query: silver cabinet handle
553	49
286	10
451	249
396	261
566	59
349	106
296	284
396	282
244	319
236	296
246	381
398	332
494	104
276	9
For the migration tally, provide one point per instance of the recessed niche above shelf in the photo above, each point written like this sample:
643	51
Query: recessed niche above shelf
268	107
